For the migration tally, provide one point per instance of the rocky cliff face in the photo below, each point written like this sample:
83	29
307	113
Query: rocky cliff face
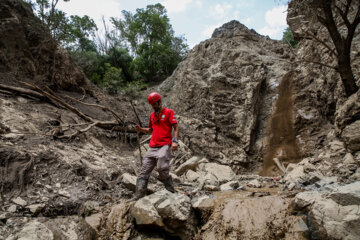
28	53
224	93
323	115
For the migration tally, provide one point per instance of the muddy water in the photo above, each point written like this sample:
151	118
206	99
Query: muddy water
282	143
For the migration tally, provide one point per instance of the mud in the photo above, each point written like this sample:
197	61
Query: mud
240	215
281	131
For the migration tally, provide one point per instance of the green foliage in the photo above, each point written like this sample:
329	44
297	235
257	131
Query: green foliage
288	38
133	89
113	79
89	61
151	38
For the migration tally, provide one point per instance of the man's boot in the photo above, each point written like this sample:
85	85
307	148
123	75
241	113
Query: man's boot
141	188
168	183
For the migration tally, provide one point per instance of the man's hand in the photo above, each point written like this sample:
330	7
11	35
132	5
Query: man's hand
174	146
138	128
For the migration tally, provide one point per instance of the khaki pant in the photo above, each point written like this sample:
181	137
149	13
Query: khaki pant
159	157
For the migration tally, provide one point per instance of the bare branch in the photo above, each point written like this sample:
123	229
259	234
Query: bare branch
319	63
98	106
344	17
78	132
322	42
22	91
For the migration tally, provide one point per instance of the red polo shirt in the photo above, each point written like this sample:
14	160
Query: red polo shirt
161	125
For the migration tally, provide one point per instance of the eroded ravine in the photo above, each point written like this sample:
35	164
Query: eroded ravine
280	131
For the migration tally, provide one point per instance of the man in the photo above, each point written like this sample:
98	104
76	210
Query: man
161	123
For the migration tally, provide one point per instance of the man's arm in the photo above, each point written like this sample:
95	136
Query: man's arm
144	130
174	145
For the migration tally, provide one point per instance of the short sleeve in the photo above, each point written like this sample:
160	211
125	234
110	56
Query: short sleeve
172	117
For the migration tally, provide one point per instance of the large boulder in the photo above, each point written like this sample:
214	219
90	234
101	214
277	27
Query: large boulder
351	136
222	173
33	231
238	216
171	212
227	79
335	215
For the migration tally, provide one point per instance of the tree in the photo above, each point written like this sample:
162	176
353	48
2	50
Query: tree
289	39
73	33
333	15
151	39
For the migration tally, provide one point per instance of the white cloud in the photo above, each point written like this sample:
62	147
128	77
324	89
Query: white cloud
247	21
207	32
199	3
275	22
276	16
175	6
220	11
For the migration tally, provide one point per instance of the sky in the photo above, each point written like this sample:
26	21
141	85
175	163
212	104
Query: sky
194	19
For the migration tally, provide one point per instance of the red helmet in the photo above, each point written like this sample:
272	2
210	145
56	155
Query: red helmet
154	97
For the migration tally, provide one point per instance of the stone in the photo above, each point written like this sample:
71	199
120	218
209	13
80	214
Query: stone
348	159
129	181
35	209
351	136
334	214
94	220
190	164
210	179
254	183
12	208
88	208
64	193
192	176
175	178
169	211
19	201
118	222
221	172
211	188
33	231
229	186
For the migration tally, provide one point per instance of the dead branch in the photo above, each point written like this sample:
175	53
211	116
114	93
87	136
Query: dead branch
98	106
78	132
24	91
107	125
311	35
319	63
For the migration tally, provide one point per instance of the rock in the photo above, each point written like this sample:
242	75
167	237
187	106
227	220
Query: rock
94	220
221	172
348	159
119	223
35	209
241	217
12	208
175	178
229	186
192	176
169	211
64	193
347	195
129	181
210	179
226	78
88	208
19	201
5	216
337	148
351	136
254	183
190	164
211	188
204	205
33	231
356	175
58	185
334	214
